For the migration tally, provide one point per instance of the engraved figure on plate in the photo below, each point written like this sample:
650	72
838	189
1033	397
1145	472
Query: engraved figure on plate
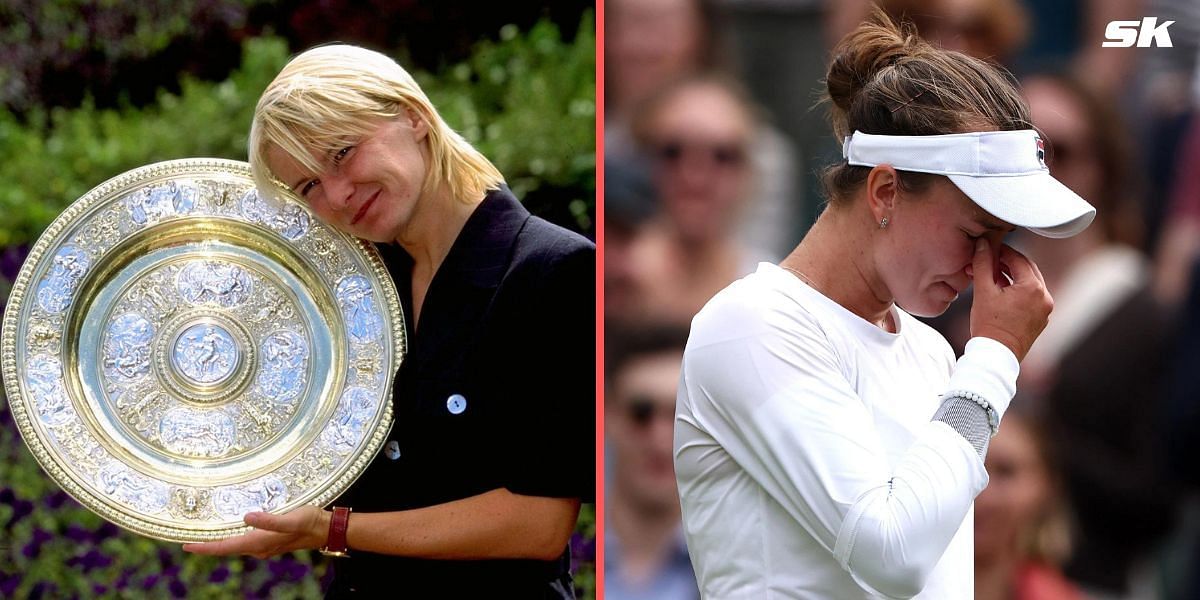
205	353
127	348
188	432
46	387
266	495
189	502
285	360
154	203
357	301
291	222
56	290
349	421
214	281
256	209
118	482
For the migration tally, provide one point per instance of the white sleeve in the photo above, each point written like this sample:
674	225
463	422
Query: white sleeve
987	368
776	400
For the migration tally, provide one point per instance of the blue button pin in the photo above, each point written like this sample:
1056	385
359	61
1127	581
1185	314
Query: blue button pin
456	404
392	450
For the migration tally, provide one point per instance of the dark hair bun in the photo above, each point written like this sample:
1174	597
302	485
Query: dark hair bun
884	79
858	58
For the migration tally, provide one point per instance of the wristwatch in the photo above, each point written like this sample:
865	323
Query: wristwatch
335	545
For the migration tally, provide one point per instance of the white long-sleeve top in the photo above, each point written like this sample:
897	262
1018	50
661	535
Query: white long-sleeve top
808	466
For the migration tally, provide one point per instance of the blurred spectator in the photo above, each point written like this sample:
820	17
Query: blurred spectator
1098	368
1180	244
1021	529
696	130
988	29
1160	109
1100	271
1182	418
645	555
1069	34
649	42
629	203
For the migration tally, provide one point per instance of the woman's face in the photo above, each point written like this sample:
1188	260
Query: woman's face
1019	491
699	137
369	189
647	42
924	254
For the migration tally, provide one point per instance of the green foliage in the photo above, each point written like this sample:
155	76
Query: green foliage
58	156
40	39
583	545
527	101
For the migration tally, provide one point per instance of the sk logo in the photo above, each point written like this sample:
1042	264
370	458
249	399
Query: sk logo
1147	32
1041	151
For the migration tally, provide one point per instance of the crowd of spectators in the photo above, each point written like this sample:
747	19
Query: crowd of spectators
1093	492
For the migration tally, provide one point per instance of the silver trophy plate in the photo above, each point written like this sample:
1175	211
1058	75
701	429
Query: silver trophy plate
179	350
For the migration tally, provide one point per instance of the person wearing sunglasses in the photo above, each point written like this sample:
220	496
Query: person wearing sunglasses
827	444
479	485
1108	348
644	553
695	132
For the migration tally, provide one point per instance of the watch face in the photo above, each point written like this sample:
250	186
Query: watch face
180	350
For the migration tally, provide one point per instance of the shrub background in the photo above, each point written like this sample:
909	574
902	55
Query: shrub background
92	89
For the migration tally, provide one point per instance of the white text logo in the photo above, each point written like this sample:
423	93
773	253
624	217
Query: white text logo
1146	32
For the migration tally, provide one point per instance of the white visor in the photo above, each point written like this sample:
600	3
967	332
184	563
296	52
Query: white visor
1004	172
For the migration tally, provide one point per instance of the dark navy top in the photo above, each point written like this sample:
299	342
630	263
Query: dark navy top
497	390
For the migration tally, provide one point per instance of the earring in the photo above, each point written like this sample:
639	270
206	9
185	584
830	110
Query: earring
883	223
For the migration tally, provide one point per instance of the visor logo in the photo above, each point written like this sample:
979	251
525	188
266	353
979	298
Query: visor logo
1041	151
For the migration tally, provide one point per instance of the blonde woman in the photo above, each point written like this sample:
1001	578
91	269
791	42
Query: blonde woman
477	490
827	444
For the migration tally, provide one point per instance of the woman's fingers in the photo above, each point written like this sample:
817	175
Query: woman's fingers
982	263
1019	267
1015	314
267	521
249	543
272	534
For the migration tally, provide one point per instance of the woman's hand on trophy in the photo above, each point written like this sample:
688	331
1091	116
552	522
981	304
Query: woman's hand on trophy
304	528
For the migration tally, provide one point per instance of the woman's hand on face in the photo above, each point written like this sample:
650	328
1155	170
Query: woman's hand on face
1013	314
304	528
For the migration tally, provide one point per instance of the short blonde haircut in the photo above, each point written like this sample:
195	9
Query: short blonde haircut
331	96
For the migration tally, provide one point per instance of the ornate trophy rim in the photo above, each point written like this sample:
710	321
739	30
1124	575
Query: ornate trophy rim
14	340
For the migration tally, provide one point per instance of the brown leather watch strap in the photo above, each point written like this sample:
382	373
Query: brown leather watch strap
335	545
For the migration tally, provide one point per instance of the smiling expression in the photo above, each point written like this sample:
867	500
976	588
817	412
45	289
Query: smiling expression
370	188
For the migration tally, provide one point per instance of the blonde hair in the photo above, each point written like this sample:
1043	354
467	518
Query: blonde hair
886	80
331	96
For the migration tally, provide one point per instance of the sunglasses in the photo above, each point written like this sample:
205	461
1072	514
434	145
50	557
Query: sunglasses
673	152
641	412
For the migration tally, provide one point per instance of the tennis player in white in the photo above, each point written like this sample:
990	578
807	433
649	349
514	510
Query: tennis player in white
827	444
